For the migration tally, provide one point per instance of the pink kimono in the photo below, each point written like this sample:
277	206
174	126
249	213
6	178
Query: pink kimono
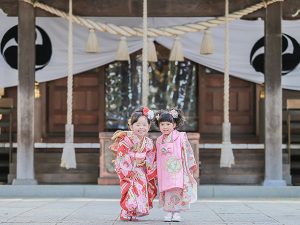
135	158
175	167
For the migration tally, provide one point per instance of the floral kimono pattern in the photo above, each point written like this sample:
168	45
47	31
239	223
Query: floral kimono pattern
135	165
175	167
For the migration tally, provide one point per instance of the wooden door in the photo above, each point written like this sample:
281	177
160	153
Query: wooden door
242	107
88	104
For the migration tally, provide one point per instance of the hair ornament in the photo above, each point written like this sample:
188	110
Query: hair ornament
174	113
148	113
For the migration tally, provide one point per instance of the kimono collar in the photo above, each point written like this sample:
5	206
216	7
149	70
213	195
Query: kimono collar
130	139
171	137
175	134
135	142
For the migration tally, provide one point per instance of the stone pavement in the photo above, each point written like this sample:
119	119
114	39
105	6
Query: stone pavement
94	211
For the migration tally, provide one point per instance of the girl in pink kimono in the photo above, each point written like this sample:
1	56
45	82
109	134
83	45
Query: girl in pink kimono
135	165
175	166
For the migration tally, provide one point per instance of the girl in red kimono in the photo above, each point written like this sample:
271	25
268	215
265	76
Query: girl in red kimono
175	166
135	165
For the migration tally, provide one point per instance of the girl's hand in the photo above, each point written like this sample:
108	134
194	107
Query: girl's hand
193	168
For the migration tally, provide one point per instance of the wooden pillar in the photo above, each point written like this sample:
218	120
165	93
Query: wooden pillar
26	69
273	96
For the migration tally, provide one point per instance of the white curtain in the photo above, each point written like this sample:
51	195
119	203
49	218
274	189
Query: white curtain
243	35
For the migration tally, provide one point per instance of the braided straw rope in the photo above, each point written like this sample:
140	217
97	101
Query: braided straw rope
296	13
153	32
227	157
226	66
70	68
68	158
145	79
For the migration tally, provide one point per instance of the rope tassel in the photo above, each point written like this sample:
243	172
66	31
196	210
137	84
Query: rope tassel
207	45
92	45
122	52
68	158
176	52
227	157
1	91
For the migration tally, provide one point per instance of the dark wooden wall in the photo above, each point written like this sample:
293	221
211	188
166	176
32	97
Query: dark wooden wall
89	106
242	104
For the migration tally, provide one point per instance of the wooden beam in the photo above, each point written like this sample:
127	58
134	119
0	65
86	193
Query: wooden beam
156	8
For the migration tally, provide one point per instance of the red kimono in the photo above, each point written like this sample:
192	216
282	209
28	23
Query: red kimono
135	165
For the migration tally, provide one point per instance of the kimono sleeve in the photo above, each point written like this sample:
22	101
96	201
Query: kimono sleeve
191	162
151	162
123	162
151	172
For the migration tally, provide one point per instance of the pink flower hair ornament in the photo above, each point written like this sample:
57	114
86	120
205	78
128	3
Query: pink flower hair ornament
174	113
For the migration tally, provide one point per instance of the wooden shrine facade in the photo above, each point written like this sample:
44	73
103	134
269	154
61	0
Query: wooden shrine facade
49	112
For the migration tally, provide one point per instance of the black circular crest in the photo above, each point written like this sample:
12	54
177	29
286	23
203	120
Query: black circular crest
9	48
290	55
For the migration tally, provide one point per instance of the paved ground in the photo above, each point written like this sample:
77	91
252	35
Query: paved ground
92	211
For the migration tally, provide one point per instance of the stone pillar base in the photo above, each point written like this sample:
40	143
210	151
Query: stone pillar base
11	178
24	182
274	183
288	179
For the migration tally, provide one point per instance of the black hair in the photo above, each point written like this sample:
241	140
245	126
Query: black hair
166	116
137	114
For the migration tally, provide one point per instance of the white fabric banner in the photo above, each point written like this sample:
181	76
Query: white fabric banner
52	61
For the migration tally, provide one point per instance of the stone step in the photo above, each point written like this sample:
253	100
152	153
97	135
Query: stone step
113	191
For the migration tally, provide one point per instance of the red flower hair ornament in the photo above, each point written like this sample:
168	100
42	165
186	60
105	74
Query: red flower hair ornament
148	113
